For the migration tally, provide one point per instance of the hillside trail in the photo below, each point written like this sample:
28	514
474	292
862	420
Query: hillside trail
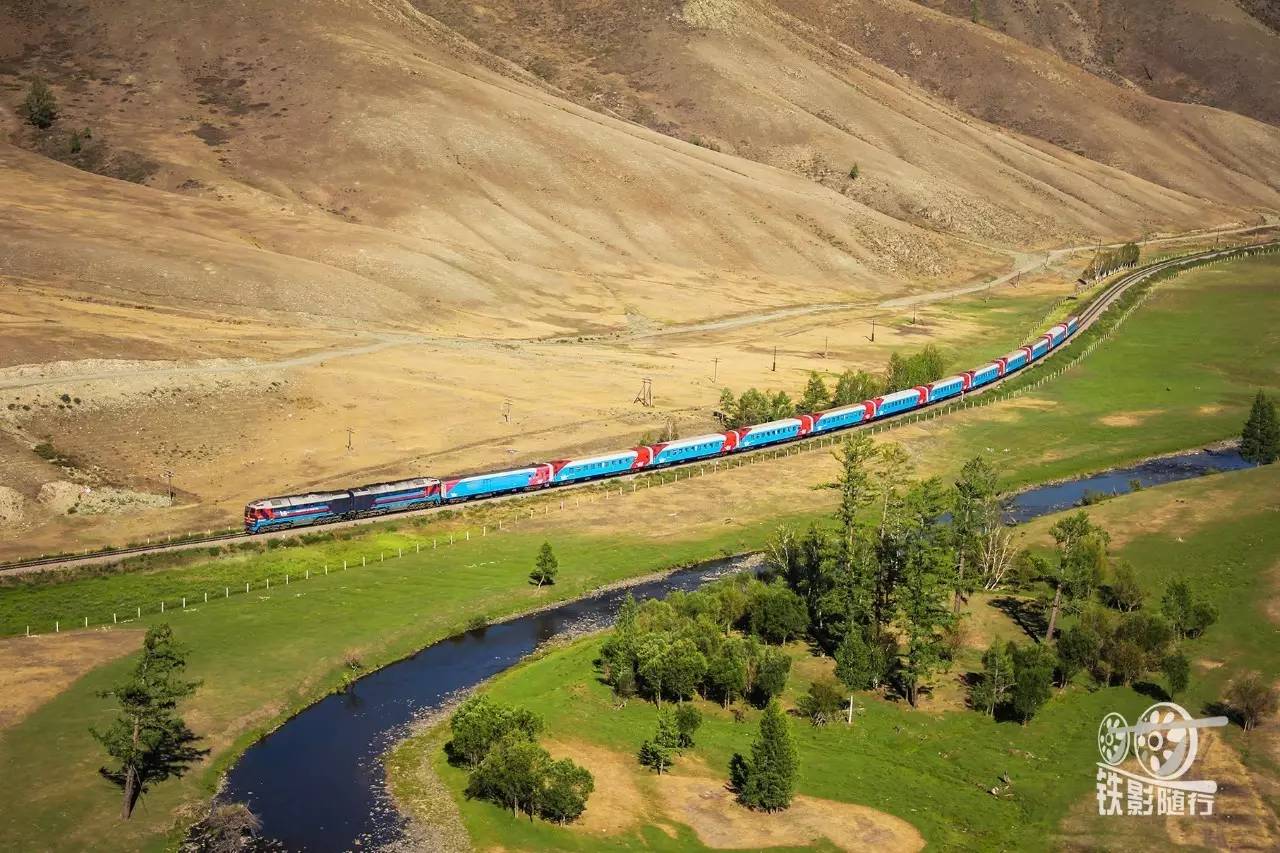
32	376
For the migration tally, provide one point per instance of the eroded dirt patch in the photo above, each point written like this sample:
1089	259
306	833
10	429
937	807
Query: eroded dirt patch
617	803
35	669
709	808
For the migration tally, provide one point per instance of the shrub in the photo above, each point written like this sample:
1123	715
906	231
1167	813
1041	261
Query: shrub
40	107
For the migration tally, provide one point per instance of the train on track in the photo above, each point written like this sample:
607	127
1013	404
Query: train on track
424	492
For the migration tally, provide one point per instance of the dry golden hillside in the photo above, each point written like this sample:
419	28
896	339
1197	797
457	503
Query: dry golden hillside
255	225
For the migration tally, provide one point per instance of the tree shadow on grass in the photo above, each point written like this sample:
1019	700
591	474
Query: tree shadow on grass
1027	613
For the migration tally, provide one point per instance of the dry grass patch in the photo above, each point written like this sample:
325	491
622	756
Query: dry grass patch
710	810
35	669
617	804
1128	419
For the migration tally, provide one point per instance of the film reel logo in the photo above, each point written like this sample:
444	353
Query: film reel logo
1164	742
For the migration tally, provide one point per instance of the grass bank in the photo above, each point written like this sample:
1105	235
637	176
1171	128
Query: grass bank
935	767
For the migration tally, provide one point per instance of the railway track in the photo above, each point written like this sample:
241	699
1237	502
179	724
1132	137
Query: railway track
1087	317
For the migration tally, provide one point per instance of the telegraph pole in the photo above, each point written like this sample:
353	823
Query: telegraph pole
506	411
350	432
775	358
873	330
715	369
168	475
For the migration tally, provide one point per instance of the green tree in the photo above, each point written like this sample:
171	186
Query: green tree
816	397
1187	616
1126	593
1252	699
855	386
856	663
727	675
565	789
771	773
1260	440
546	567
1078	649
512	774
776	614
687	719
771	673
974	515
992	688
40	108
1032	679
822	702
148	741
1176	668
729	409
480	722
916	548
655	756
781	406
1082	559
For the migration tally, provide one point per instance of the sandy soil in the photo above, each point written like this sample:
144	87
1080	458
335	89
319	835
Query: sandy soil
703	803
35	669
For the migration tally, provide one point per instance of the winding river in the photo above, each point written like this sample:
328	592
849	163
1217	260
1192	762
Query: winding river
317	781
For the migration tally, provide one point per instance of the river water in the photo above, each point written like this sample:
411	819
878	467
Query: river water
317	781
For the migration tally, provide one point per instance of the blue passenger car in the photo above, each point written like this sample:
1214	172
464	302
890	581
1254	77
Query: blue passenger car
483	485
899	401
840	418
763	434
985	374
944	388
574	470
688	449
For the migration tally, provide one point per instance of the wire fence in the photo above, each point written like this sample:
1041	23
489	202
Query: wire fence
506	517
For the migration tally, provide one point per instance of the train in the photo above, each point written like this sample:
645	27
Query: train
425	492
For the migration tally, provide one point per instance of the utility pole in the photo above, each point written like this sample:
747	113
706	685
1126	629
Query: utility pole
715	369
873	330
775	358
826	342
645	397
168	475
506	411
350	432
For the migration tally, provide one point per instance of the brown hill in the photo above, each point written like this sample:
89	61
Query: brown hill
290	220
1212	52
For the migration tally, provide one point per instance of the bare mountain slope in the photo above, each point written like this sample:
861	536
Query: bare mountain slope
386	145
1213	52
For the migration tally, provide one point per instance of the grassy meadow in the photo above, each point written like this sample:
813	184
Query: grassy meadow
934	767
1205	337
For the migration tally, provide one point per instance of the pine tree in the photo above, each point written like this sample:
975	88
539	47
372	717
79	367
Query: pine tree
545	569
1260	440
149	741
771	772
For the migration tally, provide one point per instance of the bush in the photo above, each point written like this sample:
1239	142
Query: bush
1252	699
823	701
40	107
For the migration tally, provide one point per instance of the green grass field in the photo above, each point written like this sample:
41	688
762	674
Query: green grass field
265	654
934	769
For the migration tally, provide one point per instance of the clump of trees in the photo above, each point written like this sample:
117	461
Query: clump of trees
1106	262
545	568
148	741
767	780
853	386
714	642
508	767
40	107
1260	440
